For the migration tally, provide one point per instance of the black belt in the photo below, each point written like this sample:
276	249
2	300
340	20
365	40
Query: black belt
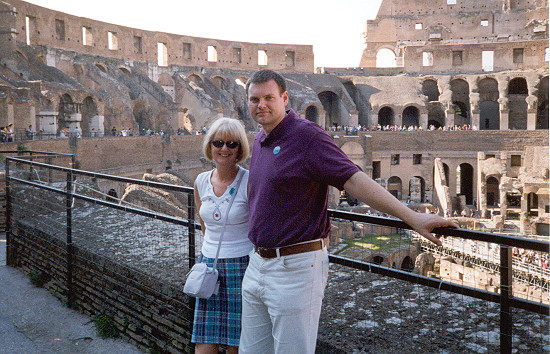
291	249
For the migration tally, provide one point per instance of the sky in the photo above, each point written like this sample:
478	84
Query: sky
334	28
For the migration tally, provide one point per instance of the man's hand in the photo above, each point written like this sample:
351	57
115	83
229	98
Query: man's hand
425	223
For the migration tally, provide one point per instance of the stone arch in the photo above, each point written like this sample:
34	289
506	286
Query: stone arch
407	264
430	90
411	116
125	71
395	187
355	152
331	105
465	182
517	105
386	116
112	196
89	114
377	259
101	67
488	89
219	82
489	115
166	79
436	114
312	113
241	81
386	58
461	101
196	78
417	189
143	116
542	107
492	191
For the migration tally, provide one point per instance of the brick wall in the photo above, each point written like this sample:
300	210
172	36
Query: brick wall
150	313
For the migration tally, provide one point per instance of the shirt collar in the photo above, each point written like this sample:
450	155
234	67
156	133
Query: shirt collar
279	129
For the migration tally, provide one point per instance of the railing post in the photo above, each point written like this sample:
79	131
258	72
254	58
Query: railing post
505	295
191	227
9	246
69	241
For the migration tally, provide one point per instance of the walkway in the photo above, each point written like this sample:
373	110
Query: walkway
34	321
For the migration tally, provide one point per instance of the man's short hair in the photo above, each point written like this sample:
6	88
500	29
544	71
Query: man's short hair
264	75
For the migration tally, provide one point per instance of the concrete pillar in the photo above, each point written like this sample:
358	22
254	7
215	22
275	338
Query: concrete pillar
449	117
374	118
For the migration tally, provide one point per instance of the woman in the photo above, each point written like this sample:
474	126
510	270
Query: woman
218	319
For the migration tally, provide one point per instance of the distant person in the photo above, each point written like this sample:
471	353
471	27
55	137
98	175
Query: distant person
294	161
29	133
10	133
218	319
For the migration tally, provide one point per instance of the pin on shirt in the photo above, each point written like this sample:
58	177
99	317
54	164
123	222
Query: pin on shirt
276	150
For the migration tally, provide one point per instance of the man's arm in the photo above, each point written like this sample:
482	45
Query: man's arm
368	191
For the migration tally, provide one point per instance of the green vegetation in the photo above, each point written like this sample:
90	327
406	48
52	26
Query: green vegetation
378	243
105	326
37	278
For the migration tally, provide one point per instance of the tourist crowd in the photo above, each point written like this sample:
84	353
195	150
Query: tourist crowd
353	130
532	257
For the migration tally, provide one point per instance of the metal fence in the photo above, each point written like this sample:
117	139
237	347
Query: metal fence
149	225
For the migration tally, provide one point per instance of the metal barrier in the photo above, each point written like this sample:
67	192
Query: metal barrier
72	204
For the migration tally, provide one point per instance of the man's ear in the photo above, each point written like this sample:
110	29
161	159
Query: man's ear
285	97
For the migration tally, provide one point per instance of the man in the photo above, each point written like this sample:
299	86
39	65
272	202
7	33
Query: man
293	164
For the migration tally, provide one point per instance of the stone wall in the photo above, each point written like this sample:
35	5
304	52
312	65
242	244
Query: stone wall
60	30
150	313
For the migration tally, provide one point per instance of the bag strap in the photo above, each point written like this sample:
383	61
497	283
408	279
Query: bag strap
232	191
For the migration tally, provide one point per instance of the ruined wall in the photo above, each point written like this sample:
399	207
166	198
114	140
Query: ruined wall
456	33
64	31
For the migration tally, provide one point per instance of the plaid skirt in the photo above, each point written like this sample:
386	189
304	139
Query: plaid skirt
218	319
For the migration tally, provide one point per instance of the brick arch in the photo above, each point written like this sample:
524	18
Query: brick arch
355	152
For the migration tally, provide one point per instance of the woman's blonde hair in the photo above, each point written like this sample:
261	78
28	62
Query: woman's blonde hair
227	129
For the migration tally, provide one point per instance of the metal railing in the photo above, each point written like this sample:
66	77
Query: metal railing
85	193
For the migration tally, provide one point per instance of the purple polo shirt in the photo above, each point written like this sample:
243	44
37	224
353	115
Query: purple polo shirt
290	172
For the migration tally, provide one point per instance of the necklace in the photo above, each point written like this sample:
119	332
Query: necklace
216	214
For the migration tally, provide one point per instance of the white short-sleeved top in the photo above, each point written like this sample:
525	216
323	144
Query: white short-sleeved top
213	213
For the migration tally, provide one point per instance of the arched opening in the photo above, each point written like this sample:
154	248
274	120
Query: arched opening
436	115
331	104
465	182
493	194
517	106
385	116
542	109
408	264
430	90
532	204
417	189
196	79
489	112
385	58
219	82
446	172
101	68
312	114
461	101
112	196
395	187
489	115
143	116
377	259
89	118
411	116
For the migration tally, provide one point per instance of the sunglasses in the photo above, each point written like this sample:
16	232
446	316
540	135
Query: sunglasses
230	144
